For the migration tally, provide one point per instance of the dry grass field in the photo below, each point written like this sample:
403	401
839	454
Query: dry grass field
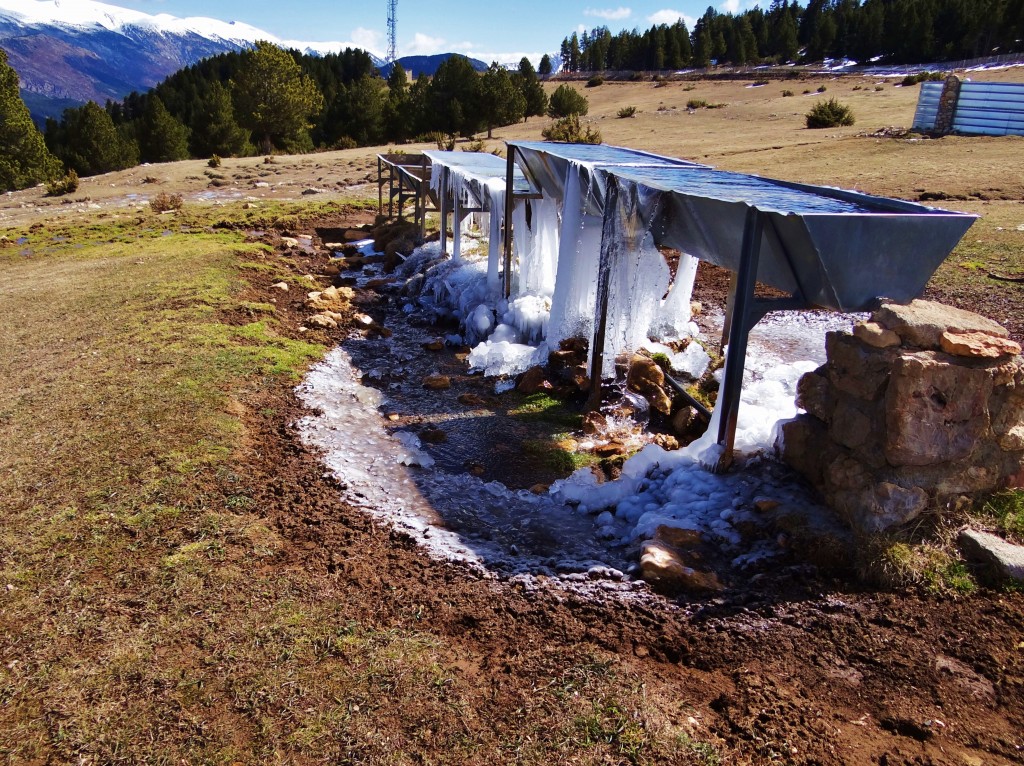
181	584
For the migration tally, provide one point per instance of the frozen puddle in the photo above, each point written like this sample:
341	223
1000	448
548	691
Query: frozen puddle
582	530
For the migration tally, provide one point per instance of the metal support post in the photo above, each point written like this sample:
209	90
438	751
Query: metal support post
442	207
609	259
742	302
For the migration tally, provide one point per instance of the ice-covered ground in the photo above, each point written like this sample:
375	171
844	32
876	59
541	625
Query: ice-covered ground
583	529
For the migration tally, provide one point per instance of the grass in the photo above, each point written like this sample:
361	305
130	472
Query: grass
932	564
1005	511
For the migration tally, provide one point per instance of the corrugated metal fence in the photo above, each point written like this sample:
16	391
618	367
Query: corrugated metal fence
985	108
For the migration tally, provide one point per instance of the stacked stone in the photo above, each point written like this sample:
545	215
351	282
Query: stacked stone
919	407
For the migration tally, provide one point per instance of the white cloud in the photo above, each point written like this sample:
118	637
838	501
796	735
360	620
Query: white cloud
368	39
503	57
731	6
669	16
425	45
609	14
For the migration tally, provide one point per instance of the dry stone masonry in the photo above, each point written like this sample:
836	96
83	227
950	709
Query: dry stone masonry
919	407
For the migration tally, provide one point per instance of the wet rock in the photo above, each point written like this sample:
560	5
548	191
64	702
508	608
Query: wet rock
540	489
413	286
685	420
437	344
612	448
370	325
875	335
1004	558
665	570
282	286
594	422
437	382
646	378
921	323
532	381
376	284
666	442
677	537
475	468
433	435
978	345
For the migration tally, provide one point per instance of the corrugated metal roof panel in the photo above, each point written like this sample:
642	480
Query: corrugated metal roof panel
927	106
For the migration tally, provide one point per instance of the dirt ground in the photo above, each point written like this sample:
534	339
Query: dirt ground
802	668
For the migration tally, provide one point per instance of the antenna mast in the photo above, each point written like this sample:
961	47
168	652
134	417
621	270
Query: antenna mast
392	27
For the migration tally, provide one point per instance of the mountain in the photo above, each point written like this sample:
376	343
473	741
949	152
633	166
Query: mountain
414	66
67	53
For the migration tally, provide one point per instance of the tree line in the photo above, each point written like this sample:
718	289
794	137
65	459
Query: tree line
892	31
268	99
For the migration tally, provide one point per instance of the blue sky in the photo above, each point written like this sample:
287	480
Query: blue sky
502	31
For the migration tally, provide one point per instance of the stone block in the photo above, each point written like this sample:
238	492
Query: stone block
803	443
813	394
875	335
856	425
935	412
856	369
977	345
1004	558
885	506
648	379
921	323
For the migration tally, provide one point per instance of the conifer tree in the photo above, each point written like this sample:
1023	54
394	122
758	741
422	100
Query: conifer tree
214	127
24	158
161	137
545	65
501	100
87	141
536	100
273	98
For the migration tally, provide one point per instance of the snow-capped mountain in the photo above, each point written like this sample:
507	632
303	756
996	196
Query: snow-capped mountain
67	52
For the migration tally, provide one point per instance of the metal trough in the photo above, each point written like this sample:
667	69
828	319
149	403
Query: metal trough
823	247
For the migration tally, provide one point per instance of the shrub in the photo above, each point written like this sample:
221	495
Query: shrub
345	142
822	88
787	93
567	101
696	103
58	187
595	81
475	146
879	87
806	92
163	202
758	83
568	129
829	114
627	111
214	161
636	77
858	87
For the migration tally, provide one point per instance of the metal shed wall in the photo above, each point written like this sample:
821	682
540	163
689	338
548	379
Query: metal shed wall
927	106
983	108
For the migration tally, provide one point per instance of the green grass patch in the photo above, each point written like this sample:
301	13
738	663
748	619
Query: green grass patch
540	407
1006	511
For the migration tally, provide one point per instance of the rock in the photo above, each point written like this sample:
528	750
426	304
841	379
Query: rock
413	286
921	323
646	378
666	442
764	504
368	323
540	489
594	422
803	443
854	424
875	335
312	190
332	298
282	286
664	568
813	395
856	369
475	468
612	448
433	435
677	537
437	344
532	381
376	284
322	321
977	345
935	412
437	382
1005	558
686	420
882	507
472	400
289	242
815	535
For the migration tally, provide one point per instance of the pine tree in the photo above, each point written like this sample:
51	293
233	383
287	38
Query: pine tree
161	137
566	101
397	112
501	99
536	100
454	105
273	98
545	66
214	128
24	158
89	143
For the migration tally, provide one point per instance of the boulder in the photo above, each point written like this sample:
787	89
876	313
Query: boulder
935	412
472	400
1004	558
813	395
532	381
664	568
921	323
323	321
978	345
646	378
857	369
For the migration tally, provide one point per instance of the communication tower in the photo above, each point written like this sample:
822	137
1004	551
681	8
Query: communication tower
392	27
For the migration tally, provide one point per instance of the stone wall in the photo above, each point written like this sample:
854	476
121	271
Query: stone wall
919	407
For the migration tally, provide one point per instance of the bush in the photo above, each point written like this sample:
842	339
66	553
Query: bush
214	161
636	77
566	101
568	129
696	103
627	111
829	114
879	87
787	93
822	88
475	146
760	82
345	142
163	202
595	81
67	184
